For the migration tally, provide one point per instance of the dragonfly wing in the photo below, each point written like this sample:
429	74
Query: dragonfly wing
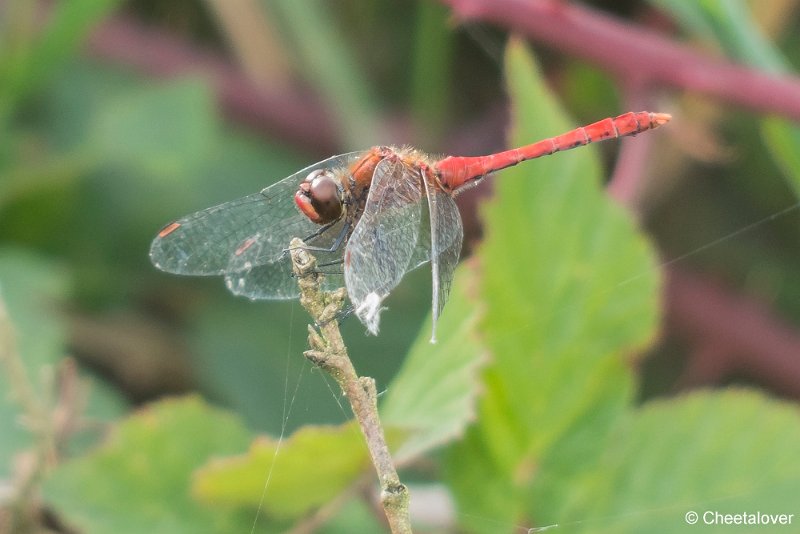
204	242
384	239
422	252
274	279
269	281
446	237
207	242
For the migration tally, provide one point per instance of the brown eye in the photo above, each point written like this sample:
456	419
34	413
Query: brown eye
320	197
325	196
324	190
316	174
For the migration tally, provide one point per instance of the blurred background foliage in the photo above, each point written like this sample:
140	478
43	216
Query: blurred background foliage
119	116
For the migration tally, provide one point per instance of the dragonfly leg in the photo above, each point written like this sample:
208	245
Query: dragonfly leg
333	262
318	233
319	270
322	229
340	316
336	244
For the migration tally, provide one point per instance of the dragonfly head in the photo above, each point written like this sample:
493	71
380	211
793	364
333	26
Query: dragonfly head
319	197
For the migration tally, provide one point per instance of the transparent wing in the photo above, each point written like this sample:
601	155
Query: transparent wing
446	237
206	242
275	280
384	240
449	235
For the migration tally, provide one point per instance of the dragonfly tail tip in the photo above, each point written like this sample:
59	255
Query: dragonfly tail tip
659	119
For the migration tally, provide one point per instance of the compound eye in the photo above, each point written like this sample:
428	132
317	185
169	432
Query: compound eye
324	189
324	194
315	174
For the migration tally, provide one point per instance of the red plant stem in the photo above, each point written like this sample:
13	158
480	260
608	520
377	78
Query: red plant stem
634	53
746	337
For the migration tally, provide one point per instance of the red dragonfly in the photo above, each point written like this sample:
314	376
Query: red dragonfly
378	213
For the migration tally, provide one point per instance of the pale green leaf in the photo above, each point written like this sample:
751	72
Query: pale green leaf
164	129
433	397
571	291
731	452
140	480
290	478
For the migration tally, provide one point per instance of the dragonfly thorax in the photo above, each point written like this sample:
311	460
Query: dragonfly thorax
320	197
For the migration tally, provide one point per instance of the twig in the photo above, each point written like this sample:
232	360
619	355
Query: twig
31	465
20	386
329	353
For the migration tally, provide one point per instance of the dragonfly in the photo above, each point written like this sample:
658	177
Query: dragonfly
370	216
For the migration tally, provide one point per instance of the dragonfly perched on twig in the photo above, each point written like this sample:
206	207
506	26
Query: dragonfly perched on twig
379	213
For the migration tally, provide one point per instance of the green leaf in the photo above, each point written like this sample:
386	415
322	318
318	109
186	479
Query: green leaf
139	481
783	139
161	130
570	289
33	60
433	397
32	288
68	26
287	479
731	25
355	516
732	452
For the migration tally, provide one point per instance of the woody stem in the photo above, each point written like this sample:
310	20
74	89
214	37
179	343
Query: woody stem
330	354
